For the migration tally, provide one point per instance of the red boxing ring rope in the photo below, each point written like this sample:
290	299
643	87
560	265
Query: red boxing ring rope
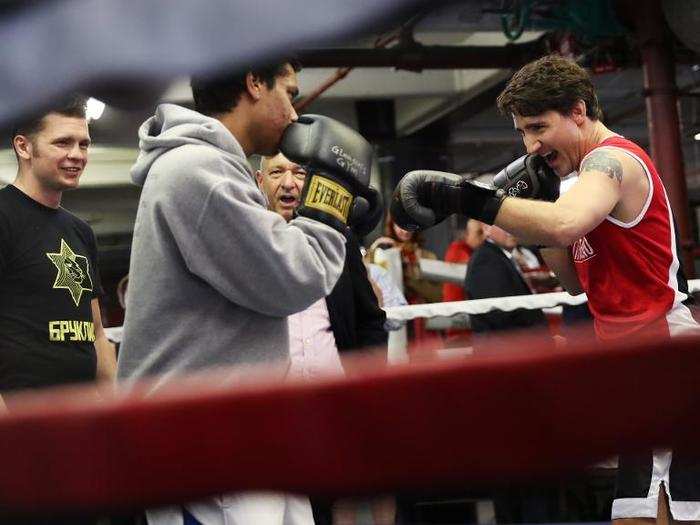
545	412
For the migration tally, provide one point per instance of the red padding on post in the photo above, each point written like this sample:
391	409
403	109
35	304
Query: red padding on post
447	423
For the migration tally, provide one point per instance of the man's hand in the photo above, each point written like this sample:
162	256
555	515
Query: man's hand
424	198
367	211
104	349
529	177
338	161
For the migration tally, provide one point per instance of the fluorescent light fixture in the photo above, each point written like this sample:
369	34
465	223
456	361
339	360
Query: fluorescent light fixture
95	108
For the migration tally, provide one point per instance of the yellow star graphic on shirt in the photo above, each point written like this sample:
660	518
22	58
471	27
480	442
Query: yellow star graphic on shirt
73	272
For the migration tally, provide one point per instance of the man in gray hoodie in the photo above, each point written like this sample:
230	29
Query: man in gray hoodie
213	273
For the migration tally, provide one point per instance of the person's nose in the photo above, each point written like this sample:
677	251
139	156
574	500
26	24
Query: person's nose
532	146
288	180
293	117
77	153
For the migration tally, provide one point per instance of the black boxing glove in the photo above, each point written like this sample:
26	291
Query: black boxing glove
424	198
529	177
366	212
337	160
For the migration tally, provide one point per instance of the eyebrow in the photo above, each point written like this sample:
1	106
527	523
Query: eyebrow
281	167
69	138
530	125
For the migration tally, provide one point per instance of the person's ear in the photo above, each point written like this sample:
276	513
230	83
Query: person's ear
253	86
23	146
259	178
579	112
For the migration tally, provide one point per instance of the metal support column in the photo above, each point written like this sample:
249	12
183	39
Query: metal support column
662	116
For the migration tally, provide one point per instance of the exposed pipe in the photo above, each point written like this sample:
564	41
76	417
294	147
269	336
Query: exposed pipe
340	74
404	35
662	112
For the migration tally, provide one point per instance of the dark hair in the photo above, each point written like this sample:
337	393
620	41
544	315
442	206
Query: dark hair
549	83
72	106
215	95
389	222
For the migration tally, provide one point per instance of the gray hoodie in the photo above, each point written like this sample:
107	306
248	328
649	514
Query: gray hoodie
213	273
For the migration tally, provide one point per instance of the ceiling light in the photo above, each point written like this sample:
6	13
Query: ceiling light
697	136
95	108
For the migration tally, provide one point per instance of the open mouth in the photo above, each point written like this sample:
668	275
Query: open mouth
288	200
551	157
72	169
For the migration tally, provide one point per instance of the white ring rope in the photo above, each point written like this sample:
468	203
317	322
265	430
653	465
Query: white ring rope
475	306
505	304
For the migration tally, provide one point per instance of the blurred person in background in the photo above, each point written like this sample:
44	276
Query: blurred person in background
387	291
460	251
494	272
50	316
535	271
349	318
417	290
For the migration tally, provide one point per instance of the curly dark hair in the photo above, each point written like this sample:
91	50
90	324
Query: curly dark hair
549	83
218	94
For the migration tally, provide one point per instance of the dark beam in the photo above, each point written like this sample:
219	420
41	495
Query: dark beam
418	57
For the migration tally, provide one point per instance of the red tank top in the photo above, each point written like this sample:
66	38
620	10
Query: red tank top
631	271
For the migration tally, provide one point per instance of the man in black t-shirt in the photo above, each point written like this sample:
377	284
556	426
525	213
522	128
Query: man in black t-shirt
50	327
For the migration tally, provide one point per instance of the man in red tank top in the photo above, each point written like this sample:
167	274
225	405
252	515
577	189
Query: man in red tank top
611	235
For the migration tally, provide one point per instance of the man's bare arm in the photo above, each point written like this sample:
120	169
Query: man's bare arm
575	213
559	260
603	161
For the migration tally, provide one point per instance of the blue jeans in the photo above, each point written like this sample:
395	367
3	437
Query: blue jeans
189	519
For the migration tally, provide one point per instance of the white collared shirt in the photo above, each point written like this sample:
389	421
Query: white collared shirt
312	347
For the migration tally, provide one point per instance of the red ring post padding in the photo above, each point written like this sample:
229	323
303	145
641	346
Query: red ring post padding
490	418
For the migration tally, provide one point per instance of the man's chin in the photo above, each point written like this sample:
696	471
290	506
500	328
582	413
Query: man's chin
559	172
271	150
287	214
66	185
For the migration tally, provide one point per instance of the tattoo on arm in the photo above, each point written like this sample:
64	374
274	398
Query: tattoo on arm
605	163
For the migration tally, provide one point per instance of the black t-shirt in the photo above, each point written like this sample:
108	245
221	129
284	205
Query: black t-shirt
48	278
